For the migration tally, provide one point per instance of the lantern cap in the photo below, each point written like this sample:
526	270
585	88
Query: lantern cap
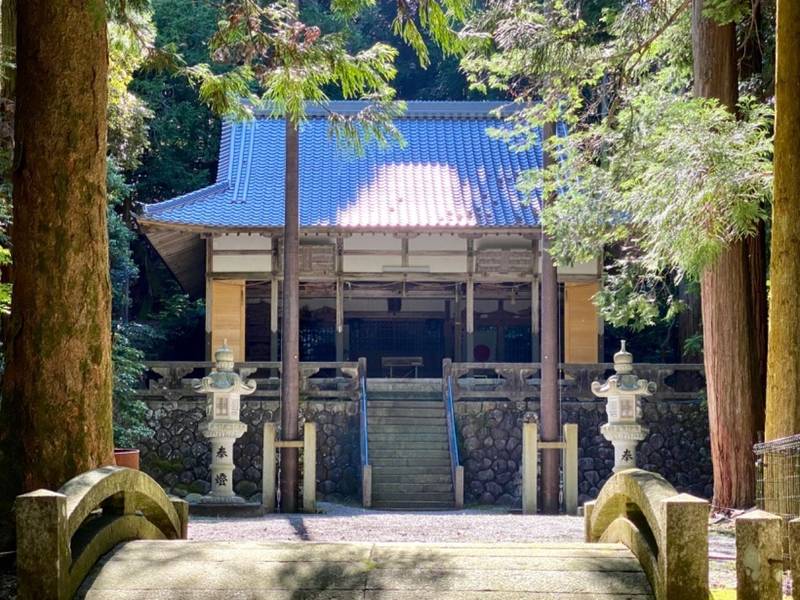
224	357
623	360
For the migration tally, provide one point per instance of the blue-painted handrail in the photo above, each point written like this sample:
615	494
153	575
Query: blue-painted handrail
363	415
451	426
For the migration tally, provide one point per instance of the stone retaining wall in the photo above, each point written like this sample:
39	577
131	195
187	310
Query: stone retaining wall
490	440
178	455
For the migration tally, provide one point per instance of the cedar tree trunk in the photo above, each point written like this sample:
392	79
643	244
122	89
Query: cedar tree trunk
729	333
783	368
55	417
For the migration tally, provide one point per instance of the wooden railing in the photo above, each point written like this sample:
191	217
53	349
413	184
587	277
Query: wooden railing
456	468
318	380
518	381
665	530
61	535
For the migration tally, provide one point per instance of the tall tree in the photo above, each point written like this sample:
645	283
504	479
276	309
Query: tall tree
728	304
55	417
783	369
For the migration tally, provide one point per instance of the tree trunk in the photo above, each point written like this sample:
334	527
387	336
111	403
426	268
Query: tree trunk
729	333
55	418
783	368
8	39
290	334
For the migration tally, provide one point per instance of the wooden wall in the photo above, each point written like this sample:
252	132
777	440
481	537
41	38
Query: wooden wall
581	323
228	316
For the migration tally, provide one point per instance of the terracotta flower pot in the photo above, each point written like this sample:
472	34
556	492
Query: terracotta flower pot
127	457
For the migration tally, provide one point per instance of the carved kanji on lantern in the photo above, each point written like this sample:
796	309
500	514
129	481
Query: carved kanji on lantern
224	388
623	391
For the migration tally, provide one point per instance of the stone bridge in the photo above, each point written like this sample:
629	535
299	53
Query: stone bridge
113	533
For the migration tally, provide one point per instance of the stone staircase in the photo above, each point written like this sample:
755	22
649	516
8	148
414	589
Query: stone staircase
408	448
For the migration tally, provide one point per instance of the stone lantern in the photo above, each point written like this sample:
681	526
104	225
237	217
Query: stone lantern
623	390
223	427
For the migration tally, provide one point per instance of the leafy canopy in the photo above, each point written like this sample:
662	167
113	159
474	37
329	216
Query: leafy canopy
645	167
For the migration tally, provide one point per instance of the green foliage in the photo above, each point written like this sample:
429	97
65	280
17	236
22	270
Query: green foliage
122	266
128	115
693	345
291	63
677	178
671	179
129	411
183	134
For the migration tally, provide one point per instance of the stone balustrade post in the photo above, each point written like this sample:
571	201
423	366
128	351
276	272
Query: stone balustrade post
43	554
685	564
759	556
794	556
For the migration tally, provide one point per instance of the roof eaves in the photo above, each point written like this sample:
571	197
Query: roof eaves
153	210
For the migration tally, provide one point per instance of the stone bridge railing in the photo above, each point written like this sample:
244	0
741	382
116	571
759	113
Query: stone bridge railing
332	380
518	381
61	535
665	530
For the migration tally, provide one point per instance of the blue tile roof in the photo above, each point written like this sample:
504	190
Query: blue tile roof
450	174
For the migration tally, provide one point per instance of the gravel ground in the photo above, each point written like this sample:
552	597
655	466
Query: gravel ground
338	523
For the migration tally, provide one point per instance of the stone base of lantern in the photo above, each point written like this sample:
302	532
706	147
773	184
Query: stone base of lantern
212	499
624	437
243	510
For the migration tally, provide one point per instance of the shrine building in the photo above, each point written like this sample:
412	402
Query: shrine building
423	251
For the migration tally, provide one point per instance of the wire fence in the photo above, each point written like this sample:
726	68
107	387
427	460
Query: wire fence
778	479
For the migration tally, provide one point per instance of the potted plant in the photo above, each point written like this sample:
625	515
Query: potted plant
129	411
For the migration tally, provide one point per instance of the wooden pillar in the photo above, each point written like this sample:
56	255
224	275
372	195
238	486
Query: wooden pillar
339	299
274	300
290	326
468	351
227	315
535	293
458	326
550	418
339	320
581	322
209	295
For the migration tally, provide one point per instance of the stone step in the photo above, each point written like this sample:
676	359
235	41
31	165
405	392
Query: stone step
405	411
409	405
406	432
441	469
398	384
424	506
427	475
400	488
401	461
407	447
407	399
401	498
407	421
